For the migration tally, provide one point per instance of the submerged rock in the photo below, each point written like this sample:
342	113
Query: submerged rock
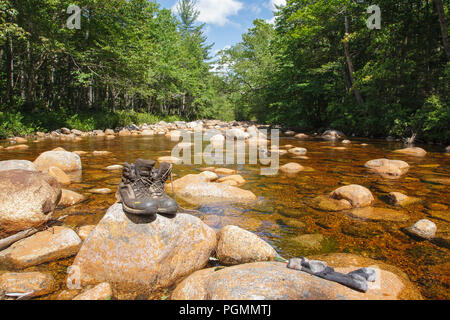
27	199
357	195
325	203
388	168
274	281
238	246
140	255
424	229
379	214
298	151
45	246
292	167
415	151
400	199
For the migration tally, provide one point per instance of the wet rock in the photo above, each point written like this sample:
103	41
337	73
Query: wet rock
332	135
238	246
17	147
195	189
170	159
80	152
17	165
236	178
301	136
20	140
45	246
140	255
114	167
59	175
77	132
357	195
124	133
147	133
84	231
224	171
289	133
26	200
64	160
415	151
70	198
292	167
36	283
400	199
98	133
101	153
209	176
313	243
274	281
326	203
388	168
346	142
424	229
379	214
100	191
109	132
101	291
298	151
436	180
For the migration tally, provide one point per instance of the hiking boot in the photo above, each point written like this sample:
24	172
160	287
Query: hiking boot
166	205
133	191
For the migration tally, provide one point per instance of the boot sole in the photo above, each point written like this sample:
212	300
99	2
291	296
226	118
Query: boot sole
136	212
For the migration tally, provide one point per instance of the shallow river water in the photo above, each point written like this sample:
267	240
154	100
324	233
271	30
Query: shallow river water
282	212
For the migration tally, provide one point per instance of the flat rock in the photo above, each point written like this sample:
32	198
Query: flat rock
224	171
114	167
292	167
101	191
274	281
325	203
388	168
27	199
400	199
52	244
237	178
416	151
238	246
37	283
170	159
140	255
379	214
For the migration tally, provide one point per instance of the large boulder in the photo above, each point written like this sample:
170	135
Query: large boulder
45	246
357	195
140	255
196	189
26	200
17	165
65	160
274	281
388	168
237	246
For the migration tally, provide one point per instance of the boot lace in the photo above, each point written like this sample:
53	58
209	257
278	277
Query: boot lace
157	185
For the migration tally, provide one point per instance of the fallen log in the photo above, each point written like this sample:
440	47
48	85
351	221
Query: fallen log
6	242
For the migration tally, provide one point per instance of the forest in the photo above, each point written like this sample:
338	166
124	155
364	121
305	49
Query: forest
318	66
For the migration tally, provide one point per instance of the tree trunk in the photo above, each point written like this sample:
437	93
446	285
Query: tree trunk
350	65
443	23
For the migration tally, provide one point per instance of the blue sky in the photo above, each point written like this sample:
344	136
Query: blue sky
227	20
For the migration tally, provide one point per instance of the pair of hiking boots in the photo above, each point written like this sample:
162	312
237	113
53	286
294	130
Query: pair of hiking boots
141	191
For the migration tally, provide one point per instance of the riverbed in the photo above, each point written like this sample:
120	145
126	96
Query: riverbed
283	210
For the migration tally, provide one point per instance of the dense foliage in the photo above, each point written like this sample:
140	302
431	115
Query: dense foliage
128	55
321	66
318	67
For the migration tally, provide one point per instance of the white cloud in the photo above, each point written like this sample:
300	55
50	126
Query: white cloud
217	11
274	3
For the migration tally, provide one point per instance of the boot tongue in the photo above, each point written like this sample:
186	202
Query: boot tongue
144	168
